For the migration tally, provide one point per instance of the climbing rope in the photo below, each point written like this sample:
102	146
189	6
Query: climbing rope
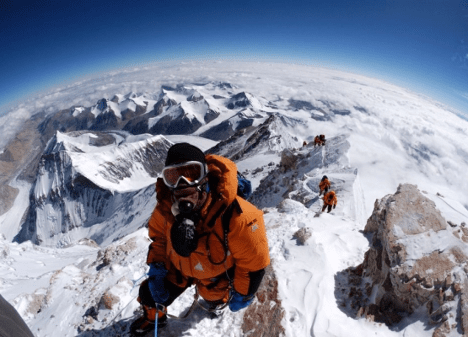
135	283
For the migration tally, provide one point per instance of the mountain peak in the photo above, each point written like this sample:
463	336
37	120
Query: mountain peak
83	179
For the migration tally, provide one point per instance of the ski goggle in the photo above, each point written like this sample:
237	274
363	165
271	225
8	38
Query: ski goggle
191	173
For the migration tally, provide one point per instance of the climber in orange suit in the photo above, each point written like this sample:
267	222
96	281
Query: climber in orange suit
324	185
329	201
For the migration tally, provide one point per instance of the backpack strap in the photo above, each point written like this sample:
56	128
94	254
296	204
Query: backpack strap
225	221
227	215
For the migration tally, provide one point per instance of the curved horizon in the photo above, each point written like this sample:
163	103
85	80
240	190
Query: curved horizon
419	46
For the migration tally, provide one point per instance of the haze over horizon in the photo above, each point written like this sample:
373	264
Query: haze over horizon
419	45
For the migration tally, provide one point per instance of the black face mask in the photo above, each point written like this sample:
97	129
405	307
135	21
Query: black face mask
184	236
186	208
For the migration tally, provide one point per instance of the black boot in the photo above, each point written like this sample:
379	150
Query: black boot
213	308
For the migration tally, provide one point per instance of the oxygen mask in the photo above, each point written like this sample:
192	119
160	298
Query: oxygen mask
188	200
184	235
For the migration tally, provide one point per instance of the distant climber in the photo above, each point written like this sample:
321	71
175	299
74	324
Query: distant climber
322	139
324	185
319	140
329	201
202	233
304	143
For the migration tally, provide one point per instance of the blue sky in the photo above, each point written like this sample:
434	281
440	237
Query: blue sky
418	44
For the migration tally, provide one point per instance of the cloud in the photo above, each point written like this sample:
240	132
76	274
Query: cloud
290	80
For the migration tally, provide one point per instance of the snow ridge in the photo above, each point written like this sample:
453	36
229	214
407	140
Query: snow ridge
299	172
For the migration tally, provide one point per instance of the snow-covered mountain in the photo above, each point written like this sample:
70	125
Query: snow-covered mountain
183	109
272	136
210	109
91	185
83	278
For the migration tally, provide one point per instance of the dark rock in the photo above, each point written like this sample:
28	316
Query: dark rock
302	235
222	131
210	116
239	100
451	224
105	121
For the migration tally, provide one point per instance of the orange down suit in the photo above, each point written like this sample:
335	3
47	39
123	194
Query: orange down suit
247	242
317	141
325	183
330	199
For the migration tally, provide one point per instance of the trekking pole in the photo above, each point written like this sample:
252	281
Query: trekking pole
156	321
164	310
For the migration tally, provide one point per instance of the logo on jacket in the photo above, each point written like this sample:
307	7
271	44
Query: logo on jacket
254	225
199	267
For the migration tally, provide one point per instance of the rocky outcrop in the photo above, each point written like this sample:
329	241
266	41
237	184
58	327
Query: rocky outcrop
302	235
240	100
20	159
415	262
263	317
